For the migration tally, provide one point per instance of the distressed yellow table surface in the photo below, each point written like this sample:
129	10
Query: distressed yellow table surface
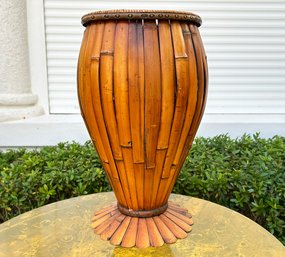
63	229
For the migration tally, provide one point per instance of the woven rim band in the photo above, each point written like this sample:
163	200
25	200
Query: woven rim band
143	214
140	15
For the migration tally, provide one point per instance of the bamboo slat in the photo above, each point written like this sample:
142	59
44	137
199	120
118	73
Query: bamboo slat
131	176
141	80
174	228
103	213
80	68
155	237
100	220
121	95
116	183
106	87
152	91
125	183
85	95
134	95
137	133
120	232
193	88
168	83
152	104
157	182
99	229
139	169
142	240
110	230
186	227
129	239
201	82
187	220
182	78
205	69
165	232
121	87
148	187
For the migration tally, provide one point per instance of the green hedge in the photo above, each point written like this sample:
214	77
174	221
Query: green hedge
245	174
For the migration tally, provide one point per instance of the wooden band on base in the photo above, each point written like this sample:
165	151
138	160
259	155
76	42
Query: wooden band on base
143	214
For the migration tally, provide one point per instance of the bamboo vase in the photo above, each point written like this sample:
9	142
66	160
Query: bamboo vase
142	87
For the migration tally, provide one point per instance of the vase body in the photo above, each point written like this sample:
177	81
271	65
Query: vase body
142	87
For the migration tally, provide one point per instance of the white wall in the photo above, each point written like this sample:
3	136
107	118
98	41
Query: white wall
244	41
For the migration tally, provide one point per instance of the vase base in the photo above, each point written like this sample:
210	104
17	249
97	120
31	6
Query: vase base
128	231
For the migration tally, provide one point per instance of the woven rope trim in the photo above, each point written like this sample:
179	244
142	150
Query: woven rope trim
140	15
143	214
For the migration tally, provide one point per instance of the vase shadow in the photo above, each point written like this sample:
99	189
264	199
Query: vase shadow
164	251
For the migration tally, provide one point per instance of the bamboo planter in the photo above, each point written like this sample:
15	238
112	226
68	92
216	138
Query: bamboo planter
142	87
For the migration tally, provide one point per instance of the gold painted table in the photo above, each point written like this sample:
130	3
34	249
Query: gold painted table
63	229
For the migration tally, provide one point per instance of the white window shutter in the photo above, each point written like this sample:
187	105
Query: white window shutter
244	41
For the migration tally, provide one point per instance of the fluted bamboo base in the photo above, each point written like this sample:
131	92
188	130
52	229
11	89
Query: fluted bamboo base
127	231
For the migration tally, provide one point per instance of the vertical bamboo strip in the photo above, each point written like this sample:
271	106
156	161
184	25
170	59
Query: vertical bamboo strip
115	183
152	104
134	95
168	84
97	107
140	168
193	88
152	91
142	240
121	89
80	68
135	111
106	89
205	69
201	86
141	80
125	182
121	94
85	93
158	183
106	86
182	77
200	92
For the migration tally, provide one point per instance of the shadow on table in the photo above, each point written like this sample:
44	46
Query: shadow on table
164	251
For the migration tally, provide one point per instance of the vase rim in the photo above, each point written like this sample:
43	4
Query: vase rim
124	14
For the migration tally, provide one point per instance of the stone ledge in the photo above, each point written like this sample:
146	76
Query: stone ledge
9	113
52	129
18	99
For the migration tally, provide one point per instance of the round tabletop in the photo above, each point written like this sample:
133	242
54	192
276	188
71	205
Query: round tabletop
64	229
